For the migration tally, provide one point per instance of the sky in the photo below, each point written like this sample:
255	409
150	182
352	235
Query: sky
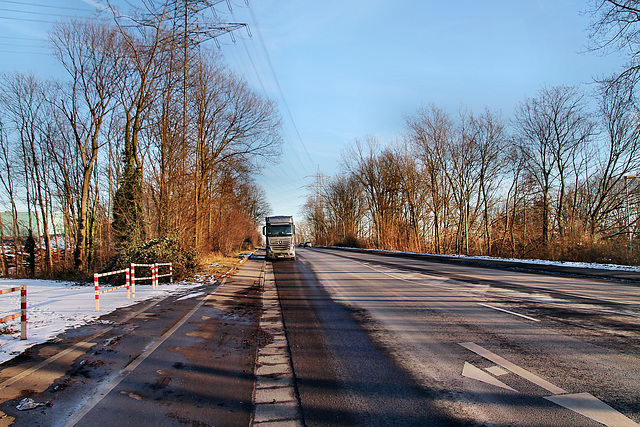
341	70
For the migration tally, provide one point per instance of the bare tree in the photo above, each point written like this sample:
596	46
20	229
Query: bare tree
490	141
146	48
24	98
617	156
170	158
89	52
234	127
6	173
616	26
343	201
377	171
415	197
550	129
431	130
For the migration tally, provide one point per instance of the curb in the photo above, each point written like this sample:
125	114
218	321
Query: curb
275	401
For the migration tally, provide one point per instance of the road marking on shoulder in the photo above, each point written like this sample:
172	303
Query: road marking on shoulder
510	312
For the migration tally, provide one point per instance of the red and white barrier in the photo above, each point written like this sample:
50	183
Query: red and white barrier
23	309
130	279
169	274
99	292
135	279
155	268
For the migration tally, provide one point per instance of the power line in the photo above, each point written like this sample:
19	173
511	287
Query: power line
20	38
275	76
20	45
27	20
45	5
29	12
289	176
22	52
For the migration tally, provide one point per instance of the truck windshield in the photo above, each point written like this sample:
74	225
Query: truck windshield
278	230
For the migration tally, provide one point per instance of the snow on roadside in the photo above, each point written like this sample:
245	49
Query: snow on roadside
53	307
599	266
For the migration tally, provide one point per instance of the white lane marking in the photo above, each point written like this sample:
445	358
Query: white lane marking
498	360
582	403
510	312
535	298
591	407
476	373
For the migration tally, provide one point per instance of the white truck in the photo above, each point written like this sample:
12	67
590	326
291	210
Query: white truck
280	232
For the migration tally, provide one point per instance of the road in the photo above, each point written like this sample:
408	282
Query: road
390	341
340	338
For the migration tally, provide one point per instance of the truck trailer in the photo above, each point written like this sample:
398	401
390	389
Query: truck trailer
280	232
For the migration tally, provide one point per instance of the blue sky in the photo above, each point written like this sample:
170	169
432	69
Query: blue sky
347	69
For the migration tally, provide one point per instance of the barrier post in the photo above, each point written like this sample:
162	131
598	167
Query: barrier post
95	286
22	314
133	280
126	279
23	310
154	273
170	272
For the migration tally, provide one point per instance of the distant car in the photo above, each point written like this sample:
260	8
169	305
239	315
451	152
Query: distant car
301	244
307	244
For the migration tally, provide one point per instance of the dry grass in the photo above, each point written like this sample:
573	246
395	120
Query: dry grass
217	264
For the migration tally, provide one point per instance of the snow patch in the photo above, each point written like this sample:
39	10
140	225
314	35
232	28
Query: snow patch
193	295
53	307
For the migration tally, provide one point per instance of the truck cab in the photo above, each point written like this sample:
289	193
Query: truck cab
280	234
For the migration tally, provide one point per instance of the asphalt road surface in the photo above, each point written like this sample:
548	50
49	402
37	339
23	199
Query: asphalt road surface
372	340
388	341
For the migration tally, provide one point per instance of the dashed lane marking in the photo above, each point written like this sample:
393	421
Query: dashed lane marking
86	344
509	312
108	387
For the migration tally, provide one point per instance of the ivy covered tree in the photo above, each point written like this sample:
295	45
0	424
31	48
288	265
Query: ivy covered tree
128	220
